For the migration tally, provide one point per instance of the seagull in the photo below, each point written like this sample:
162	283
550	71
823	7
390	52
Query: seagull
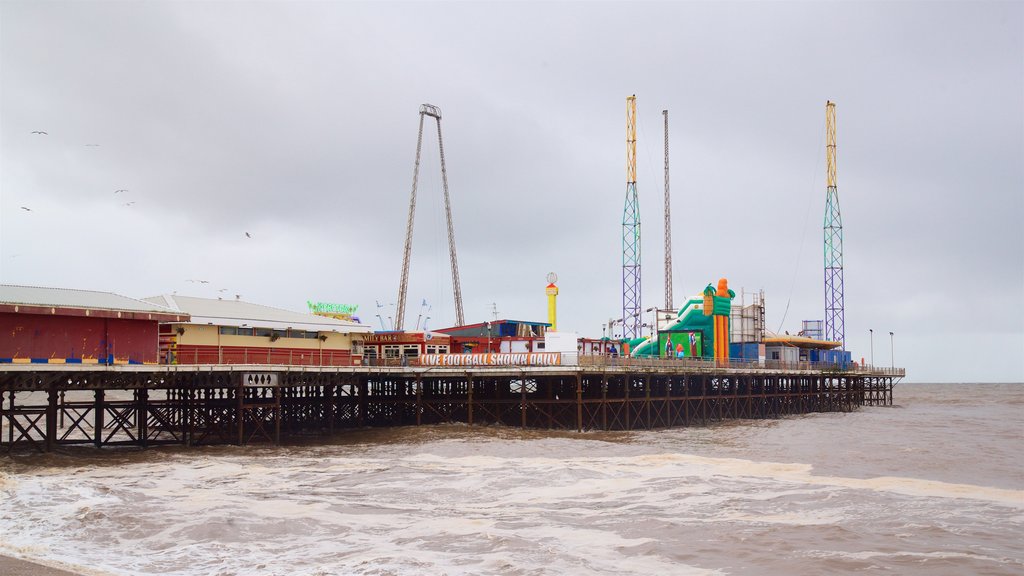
247	235
26	209
129	203
198	281
119	191
40	132
222	290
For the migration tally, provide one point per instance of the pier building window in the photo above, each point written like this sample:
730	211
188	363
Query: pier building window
411	351
280	333
357	348
228	330
369	353
265	332
392	351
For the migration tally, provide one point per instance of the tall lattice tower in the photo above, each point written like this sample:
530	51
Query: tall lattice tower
631	233
433	112
668	226
835	325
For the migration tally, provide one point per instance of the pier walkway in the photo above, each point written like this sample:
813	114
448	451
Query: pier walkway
46	406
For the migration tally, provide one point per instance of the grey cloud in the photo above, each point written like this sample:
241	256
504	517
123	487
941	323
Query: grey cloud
297	122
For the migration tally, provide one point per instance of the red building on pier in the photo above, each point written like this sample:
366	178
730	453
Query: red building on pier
65	326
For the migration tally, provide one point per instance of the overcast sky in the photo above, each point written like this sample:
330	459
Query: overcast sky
296	122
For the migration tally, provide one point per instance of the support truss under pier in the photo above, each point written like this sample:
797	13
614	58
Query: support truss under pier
46	407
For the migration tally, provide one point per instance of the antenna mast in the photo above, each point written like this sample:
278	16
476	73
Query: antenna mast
631	233
433	112
668	226
835	328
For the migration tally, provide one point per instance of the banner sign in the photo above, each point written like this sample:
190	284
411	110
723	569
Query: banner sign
683	344
493	359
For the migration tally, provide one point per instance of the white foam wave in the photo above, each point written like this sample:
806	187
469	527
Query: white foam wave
429	513
630	471
935	555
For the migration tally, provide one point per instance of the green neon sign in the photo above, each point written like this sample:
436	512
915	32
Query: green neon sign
331	308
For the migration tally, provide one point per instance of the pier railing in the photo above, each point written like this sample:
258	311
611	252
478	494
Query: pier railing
710	363
244	355
329	358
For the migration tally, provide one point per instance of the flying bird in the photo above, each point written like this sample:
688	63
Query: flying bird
39	132
119	191
26	209
129	203
247	235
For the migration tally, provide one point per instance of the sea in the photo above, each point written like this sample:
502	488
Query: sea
931	485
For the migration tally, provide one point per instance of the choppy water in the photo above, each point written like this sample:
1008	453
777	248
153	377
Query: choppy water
934	485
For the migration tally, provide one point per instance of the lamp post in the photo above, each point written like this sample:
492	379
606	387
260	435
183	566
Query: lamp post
892	358
872	333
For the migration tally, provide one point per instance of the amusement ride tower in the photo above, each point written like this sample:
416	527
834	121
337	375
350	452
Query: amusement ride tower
631	233
433	112
835	329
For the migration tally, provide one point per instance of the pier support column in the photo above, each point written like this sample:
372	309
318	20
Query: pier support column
330	407
647	400
686	400
469	398
579	402
188	417
522	399
604	401
362	385
628	403
51	419
240	411
98	414
419	400
142	415
276	391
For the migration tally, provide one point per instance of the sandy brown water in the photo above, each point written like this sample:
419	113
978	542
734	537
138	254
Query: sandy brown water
933	485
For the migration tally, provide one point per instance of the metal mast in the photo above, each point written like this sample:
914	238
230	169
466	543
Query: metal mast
631	233
835	326
433	112
668	226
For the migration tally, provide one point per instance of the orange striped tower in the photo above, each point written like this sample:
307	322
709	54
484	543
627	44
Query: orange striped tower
718	303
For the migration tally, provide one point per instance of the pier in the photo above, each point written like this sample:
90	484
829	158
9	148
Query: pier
46	407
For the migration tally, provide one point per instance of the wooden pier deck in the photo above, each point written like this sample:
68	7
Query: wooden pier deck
44	407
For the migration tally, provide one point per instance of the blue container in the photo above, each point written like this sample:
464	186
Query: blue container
743	351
